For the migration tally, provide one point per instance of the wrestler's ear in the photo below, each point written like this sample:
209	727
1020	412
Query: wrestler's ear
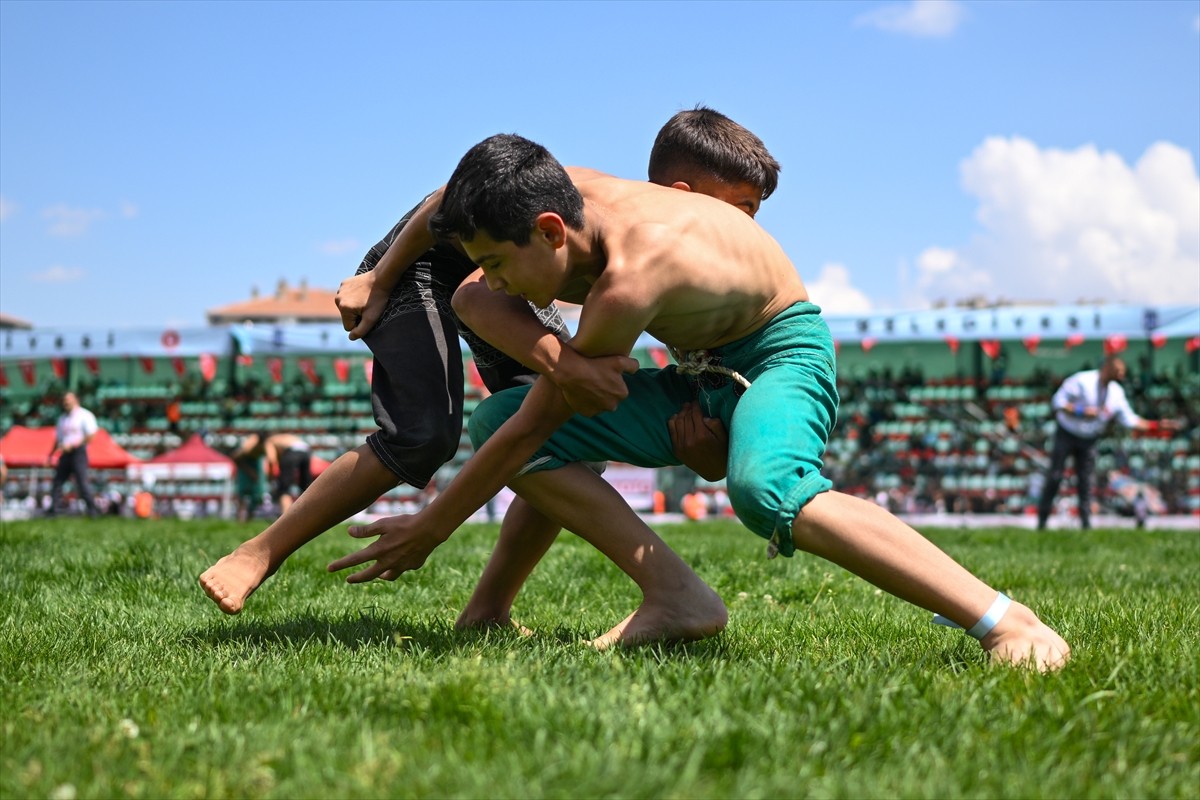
681	185
551	228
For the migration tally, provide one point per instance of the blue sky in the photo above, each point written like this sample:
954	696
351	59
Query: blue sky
159	159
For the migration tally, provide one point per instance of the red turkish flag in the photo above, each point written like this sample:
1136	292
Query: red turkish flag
991	347
1193	344
341	368
368	368
147	365
867	344
1075	339
60	367
179	365
837	347
3	376
952	343
208	367
93	365
28	372
245	361
1158	340
1115	344
309	368
275	367
659	356
1031	343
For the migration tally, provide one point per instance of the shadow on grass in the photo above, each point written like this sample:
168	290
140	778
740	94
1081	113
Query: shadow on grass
355	631
374	629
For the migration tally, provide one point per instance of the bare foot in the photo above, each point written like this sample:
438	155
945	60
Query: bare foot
470	622
232	580
1023	640
698	617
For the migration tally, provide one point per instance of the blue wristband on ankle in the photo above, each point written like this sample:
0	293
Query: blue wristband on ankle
986	622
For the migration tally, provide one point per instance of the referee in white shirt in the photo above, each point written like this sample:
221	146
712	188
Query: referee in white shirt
1084	406
75	429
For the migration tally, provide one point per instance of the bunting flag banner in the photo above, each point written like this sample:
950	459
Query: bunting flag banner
1075	339
1158	340
659	356
991	347
368	368
952	343
3	377
275	367
341	368
179	365
867	343
208	367
93	365
309	367
147	365
1193	344
28	372
1031	344
60	367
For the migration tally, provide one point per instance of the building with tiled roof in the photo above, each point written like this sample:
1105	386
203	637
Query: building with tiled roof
9	322
289	305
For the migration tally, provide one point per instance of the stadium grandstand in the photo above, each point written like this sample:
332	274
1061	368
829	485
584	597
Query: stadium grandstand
943	411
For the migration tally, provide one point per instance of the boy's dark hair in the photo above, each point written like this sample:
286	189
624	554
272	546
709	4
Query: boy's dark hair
500	186
707	140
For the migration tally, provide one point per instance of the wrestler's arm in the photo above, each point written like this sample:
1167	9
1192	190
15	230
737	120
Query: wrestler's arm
589	385
405	542
361	299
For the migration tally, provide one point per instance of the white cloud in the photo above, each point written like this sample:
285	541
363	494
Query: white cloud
59	274
1196	23
921	18
834	292
67	221
1062	225
129	210
338	247
7	208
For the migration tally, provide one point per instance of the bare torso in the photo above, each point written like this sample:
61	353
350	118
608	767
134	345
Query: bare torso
698	272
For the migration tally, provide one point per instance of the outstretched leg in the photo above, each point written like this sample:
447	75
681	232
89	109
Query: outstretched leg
348	485
676	605
876	546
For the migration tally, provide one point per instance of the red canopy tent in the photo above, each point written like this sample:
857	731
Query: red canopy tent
193	471
29	447
192	460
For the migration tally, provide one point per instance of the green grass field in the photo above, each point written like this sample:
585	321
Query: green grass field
120	679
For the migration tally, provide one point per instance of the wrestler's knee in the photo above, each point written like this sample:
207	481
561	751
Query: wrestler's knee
418	459
755	503
467	300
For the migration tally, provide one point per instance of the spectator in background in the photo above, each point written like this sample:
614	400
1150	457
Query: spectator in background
1084	405
250	478
290	459
174	413
75	429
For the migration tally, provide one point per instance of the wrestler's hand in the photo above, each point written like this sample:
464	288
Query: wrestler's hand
700	442
592	385
360	304
404	543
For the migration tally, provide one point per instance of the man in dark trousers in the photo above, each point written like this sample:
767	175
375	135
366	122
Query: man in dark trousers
75	429
1084	405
